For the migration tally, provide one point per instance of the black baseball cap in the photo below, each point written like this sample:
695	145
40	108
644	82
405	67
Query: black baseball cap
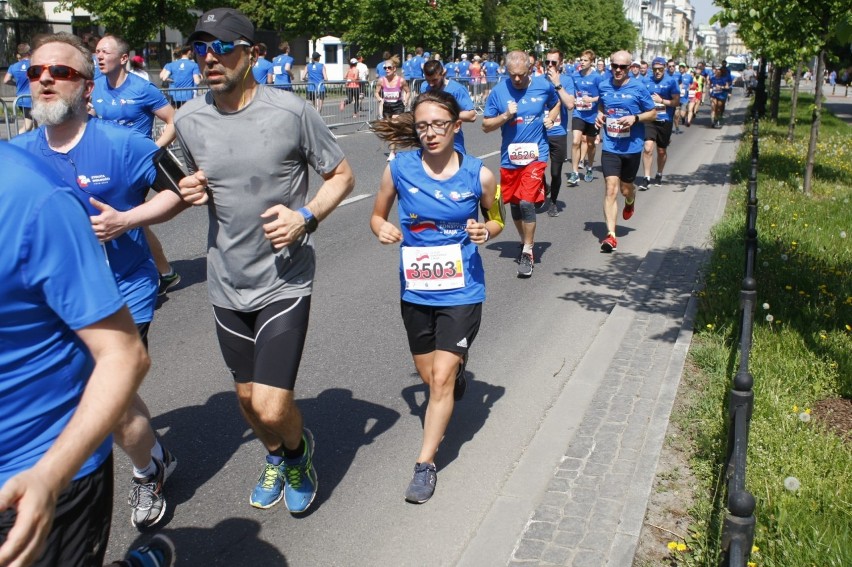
225	24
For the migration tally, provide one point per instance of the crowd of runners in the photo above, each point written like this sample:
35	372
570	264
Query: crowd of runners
76	310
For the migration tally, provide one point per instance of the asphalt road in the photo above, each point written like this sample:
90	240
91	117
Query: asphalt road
357	387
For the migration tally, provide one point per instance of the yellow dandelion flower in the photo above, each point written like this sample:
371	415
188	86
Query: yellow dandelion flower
808	411
672	545
795	409
710	326
848	326
788	287
681	547
751	564
754	549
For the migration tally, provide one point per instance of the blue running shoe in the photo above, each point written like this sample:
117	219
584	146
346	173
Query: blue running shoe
160	552
422	486
270	486
301	478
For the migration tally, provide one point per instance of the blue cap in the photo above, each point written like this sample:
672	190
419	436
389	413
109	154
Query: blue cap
426	54
659	61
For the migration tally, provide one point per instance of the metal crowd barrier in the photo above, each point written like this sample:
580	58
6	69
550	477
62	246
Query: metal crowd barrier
10	116
337	105
7	118
739	523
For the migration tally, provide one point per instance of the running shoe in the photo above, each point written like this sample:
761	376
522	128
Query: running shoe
628	209
609	244
146	494
658	179
167	282
160	552
525	266
573	179
460	387
644	183
590	175
422	486
301	488
553	210
270	486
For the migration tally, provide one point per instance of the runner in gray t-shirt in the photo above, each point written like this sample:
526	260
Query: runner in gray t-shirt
248	149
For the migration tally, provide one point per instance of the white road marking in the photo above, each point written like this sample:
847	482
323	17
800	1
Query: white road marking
354	199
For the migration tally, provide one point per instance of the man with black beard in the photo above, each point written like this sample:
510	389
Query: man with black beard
260	260
109	168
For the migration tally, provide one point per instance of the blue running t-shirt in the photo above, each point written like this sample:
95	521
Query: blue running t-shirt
434	213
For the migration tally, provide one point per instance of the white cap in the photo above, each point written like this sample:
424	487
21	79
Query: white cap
353	61
476	58
464	55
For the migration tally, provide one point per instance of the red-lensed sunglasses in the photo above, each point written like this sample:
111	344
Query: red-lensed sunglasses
57	72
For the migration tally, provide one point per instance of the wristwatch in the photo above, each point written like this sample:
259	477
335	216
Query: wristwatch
311	222
558	87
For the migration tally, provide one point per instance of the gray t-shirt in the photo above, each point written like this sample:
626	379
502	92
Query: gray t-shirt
253	159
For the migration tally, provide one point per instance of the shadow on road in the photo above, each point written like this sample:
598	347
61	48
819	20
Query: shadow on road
469	414
192	272
203	438
666	293
231	542
341	425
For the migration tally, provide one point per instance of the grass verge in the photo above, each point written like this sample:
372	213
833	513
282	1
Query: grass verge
798	470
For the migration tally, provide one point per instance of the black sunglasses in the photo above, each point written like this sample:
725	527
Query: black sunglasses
57	72
615	66
552	63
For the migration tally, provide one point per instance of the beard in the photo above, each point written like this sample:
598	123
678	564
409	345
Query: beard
58	111
227	81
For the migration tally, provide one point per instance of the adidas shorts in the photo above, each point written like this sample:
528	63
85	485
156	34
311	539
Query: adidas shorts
450	328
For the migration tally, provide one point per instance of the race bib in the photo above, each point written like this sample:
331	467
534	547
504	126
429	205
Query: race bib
661	110
391	96
433	268
277	70
523	153
579	104
616	130
692	94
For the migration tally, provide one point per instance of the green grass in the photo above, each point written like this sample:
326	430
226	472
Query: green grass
802	351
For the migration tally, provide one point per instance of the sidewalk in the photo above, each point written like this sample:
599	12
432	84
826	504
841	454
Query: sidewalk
595	455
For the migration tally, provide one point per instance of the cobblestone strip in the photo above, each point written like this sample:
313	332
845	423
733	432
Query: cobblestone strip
592	511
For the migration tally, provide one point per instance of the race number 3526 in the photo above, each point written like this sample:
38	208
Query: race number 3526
433	267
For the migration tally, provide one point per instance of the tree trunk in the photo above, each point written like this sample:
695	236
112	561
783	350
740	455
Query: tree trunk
794	99
815	121
776	92
760	91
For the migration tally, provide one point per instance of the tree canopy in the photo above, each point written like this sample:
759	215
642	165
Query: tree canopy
376	25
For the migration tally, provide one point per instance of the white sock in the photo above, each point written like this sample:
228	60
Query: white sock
528	248
147	471
157	451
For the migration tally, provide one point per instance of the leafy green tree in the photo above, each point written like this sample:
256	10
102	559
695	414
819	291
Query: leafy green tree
391	24
138	21
315	18
788	32
573	25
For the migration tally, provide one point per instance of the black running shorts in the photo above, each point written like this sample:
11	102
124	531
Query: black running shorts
450	328
587	128
660	132
623	166
265	346
81	526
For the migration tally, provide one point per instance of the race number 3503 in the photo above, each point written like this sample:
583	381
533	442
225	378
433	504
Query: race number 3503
433	267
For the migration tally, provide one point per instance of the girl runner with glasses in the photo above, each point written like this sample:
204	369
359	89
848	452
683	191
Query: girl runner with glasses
440	192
